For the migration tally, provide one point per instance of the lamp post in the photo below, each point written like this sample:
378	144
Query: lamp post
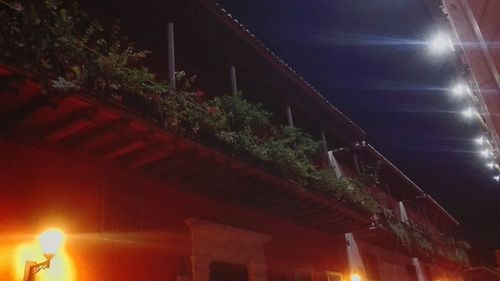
50	241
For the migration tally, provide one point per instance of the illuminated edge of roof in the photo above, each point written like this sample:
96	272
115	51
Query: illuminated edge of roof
282	62
413	184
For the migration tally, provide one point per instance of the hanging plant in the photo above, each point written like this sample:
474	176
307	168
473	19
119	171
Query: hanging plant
65	50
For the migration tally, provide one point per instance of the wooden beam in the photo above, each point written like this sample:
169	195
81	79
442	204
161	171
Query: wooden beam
81	139
9	120
123	145
126	148
310	212
301	207
169	164
68	125
152	157
327	219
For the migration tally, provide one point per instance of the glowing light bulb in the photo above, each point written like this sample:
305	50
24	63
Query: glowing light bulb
50	241
440	43
485	153
469	112
460	89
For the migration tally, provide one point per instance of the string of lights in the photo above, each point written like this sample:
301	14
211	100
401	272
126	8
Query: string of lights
442	43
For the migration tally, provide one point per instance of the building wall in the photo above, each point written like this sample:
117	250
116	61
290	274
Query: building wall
125	227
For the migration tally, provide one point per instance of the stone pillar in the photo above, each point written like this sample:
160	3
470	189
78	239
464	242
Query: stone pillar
257	272
332	161
354	259
201	268
418	269
403	215
324	146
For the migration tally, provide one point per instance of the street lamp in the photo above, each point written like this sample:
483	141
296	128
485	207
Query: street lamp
480	140
486	153
460	89
440	43
469	112
50	241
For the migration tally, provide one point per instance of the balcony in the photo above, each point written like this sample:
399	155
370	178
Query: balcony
408	240
81	127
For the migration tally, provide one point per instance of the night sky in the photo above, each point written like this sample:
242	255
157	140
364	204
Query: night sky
367	58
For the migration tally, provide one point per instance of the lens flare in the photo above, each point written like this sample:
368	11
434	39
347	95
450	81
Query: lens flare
469	112
485	153
460	90
479	140
440	43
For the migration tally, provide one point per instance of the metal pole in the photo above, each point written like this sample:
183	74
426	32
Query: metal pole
232	76
289	113
171	55
356	162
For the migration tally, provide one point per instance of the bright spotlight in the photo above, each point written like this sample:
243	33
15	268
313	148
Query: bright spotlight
496	178
469	112
460	90
490	165
485	153
479	140
441	43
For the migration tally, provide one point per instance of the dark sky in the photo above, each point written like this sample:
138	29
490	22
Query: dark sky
365	58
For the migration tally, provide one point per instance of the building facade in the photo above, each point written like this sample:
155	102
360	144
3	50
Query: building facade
139	202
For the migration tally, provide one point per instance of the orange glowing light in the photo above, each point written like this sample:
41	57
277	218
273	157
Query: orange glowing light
50	242
355	277
45	246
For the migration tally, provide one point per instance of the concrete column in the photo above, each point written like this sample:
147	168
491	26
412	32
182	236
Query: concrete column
356	162
325	147
354	259
332	161
171	55
418	269
403	215
201	268
257	272
232	76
